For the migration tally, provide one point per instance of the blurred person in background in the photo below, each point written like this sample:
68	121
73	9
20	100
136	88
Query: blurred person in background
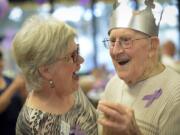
48	55
97	76
168	51
143	98
12	96
94	83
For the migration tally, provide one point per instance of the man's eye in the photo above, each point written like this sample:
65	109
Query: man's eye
127	42
112	41
126	39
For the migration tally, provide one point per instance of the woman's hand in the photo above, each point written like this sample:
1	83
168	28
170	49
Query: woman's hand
118	119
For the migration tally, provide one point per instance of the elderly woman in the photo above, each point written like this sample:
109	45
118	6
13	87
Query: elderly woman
46	51
144	97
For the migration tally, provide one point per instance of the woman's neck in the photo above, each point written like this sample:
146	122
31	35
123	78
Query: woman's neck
51	103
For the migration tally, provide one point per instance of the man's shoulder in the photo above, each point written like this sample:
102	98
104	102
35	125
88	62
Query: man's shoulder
113	88
171	74
114	79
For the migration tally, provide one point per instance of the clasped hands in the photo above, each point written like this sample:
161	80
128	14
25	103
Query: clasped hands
117	119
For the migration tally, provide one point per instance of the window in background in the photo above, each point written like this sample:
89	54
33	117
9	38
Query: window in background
169	26
91	25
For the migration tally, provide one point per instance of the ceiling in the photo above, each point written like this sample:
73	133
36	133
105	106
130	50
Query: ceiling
29	4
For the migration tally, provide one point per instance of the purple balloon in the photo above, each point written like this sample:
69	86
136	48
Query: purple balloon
4	7
84	2
41	1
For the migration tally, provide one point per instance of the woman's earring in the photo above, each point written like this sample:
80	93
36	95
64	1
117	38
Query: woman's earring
51	84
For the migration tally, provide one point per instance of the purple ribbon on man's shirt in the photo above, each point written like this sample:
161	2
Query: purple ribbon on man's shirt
150	98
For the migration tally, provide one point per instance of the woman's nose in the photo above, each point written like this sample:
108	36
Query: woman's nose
80	59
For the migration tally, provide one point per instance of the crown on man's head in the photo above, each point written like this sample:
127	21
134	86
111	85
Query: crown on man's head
142	20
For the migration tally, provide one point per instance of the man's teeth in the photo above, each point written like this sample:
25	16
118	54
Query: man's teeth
123	62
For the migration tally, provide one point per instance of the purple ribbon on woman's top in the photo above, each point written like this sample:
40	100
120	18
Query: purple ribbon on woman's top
150	98
76	131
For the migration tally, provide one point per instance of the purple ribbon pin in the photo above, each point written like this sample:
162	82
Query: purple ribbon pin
150	98
76	131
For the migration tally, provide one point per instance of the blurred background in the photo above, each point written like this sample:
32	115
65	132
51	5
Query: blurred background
90	18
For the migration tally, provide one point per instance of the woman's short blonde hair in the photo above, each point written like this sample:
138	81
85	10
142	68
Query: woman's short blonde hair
39	42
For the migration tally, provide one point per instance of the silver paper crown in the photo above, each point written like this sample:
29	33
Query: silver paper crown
142	20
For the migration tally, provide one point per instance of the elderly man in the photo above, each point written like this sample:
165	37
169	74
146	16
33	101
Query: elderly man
144	97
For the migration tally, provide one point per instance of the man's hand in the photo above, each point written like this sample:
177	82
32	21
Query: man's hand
118	119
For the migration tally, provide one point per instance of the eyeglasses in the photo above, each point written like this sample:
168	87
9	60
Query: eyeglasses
124	42
74	55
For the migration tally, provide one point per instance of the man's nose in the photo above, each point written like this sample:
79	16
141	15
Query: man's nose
118	48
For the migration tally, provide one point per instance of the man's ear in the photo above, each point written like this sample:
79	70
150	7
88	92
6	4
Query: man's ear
44	72
154	45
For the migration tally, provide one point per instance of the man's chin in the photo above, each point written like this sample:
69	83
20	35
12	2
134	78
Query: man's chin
124	76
